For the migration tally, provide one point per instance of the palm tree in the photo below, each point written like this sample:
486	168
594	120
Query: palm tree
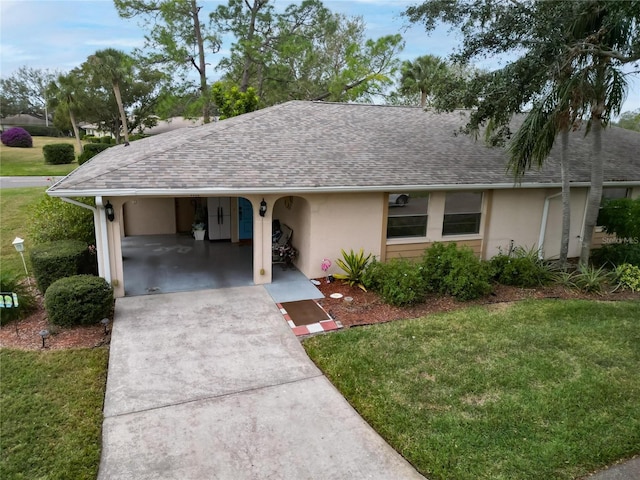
592	87
67	93
422	76
532	144
115	67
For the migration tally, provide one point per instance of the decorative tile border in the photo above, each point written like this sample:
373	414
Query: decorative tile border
318	327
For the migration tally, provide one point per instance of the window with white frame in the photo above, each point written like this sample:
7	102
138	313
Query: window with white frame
407	215
462	213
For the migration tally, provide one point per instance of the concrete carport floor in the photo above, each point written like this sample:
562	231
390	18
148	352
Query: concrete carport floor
214	385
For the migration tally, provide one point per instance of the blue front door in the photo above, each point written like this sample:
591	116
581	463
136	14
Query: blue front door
245	219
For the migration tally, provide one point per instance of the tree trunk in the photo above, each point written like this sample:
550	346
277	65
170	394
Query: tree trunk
76	131
244	84
595	192
123	115
566	197
202	66
423	98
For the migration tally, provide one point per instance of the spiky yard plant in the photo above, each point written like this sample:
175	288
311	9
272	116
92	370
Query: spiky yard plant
354	265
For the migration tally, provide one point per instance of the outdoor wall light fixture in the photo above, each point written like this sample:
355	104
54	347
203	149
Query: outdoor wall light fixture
43	334
263	208
111	213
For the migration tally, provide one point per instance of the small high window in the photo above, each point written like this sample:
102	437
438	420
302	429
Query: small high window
407	215
462	213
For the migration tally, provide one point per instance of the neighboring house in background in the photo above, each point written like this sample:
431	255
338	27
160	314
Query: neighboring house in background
21	120
327	170
93	130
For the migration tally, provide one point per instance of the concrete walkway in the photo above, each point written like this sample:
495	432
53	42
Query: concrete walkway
214	385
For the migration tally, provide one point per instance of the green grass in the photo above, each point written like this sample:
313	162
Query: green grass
51	413
15	208
18	162
539	389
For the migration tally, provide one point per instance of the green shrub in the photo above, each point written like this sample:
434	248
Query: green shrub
621	217
107	140
628	277
447	269
16	137
521	268
58	153
617	254
54	260
10	283
52	219
591	279
354	265
91	139
42	131
399	281
78	300
90	151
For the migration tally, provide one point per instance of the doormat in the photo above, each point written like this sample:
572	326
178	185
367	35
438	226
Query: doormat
305	312
306	317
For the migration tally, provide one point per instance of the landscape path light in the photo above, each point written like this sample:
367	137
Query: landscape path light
18	243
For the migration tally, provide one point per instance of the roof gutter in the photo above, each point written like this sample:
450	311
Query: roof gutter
198	192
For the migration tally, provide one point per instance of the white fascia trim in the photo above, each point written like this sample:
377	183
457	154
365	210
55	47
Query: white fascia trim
202	192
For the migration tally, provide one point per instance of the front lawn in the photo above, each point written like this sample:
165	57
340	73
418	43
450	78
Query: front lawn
30	161
16	205
51	413
538	389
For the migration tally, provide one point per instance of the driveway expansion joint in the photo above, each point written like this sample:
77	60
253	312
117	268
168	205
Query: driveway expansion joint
212	397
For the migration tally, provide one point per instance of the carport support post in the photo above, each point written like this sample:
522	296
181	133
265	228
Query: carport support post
262	270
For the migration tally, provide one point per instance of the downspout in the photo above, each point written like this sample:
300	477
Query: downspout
99	226
543	223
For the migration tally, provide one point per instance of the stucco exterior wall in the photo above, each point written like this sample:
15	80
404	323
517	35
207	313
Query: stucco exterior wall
342	221
149	216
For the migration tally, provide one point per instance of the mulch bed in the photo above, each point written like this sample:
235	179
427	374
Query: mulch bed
365	308
25	334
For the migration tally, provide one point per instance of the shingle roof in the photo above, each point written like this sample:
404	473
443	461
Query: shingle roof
314	146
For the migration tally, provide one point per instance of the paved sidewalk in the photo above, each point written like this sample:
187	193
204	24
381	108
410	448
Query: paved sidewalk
629	470
214	385
18	182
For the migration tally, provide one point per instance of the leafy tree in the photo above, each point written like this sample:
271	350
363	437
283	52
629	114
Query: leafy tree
177	39
630	120
570	58
231	101
25	92
306	52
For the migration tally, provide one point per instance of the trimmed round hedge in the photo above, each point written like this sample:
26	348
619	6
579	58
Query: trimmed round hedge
54	260
91	150
16	137
58	153
78	300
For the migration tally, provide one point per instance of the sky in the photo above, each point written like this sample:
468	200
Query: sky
61	34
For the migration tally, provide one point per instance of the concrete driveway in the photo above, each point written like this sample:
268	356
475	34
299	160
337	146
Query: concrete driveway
214	385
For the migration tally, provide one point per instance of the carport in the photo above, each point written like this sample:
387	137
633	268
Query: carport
154	264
